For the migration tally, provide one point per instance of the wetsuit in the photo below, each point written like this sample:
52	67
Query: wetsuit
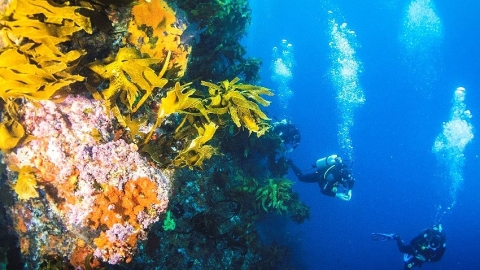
428	246
332	179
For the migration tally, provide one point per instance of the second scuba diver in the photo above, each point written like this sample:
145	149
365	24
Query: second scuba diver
428	246
332	175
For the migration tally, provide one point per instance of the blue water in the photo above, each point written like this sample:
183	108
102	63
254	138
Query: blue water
399	181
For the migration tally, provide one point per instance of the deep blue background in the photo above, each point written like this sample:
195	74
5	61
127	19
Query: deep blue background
399	182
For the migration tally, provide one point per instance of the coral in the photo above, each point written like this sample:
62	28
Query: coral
126	214
115	247
240	100
91	182
83	193
138	204
40	230
82	256
132	204
215	225
155	30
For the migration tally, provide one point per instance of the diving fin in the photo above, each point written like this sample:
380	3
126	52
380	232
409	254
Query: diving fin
383	236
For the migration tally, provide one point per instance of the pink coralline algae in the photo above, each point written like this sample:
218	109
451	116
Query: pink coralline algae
98	193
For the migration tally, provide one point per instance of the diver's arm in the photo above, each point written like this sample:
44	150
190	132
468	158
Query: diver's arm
343	189
326	189
402	247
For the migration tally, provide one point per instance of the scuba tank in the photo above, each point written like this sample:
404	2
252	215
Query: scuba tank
326	162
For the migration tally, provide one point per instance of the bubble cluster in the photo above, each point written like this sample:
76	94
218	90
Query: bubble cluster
282	72
421	26
421	36
282	66
345	73
451	142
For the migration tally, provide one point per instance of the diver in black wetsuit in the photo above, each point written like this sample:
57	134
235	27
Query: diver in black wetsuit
428	246
288	133
332	175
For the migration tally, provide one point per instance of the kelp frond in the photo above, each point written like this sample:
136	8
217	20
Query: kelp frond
20	78
178	100
276	195
197	151
26	185
31	64
241	101
59	23
129	75
11	132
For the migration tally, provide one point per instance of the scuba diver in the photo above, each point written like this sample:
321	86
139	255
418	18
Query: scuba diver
428	246
288	133
332	175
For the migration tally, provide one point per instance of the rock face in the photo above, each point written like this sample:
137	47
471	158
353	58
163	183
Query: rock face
92	194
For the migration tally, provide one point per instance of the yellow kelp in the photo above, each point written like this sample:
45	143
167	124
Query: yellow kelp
197	151
178	99
31	65
11	132
129	75
240	100
20	78
26	185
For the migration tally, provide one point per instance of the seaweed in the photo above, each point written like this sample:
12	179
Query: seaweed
219	54
31	64
241	102
128	76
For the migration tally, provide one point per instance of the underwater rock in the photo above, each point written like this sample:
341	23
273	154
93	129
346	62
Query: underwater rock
93	193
